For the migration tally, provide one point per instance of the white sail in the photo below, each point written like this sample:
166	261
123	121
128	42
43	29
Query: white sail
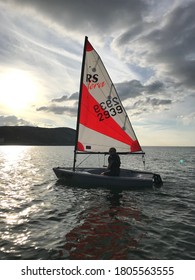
102	119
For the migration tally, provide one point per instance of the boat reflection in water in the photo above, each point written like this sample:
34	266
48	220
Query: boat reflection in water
104	233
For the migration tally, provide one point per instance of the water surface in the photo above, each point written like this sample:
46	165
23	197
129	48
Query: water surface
41	218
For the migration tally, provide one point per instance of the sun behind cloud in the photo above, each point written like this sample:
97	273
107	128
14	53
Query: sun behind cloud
17	89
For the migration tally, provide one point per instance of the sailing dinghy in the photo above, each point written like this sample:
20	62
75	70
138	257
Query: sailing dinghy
102	122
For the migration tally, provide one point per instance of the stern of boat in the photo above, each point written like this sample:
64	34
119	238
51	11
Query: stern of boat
158	182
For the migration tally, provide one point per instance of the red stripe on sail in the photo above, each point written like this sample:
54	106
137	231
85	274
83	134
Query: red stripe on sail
89	47
108	127
80	146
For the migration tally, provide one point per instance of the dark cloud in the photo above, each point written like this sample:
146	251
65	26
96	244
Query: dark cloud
74	96
135	32
133	88
129	89
158	102
64	98
60	99
155	87
173	45
155	39
59	110
176	42
96	16
166	43
169	39
154	102
126	90
66	109
13	121
144	94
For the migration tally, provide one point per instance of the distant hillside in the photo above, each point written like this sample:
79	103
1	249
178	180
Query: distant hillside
27	135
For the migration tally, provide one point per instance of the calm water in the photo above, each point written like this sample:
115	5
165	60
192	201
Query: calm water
43	219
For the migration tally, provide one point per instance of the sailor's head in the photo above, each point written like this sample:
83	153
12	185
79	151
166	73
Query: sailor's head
112	151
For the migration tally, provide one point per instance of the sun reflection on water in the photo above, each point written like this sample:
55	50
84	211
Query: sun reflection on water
12	154
16	194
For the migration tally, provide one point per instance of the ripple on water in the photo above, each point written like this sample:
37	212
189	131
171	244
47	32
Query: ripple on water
44	219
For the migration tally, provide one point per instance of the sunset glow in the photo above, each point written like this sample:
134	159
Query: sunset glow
17	89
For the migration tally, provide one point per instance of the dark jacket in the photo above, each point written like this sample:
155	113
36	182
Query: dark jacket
114	165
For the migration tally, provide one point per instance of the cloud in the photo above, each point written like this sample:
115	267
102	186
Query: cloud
98	16
149	105
153	102
187	119
155	87
73	96
26	42
59	110
146	32
148	46
147	35
176	42
129	89
166	45
60	99
134	88
69	109
13	121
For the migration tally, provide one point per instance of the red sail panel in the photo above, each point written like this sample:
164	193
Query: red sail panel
89	47
95	118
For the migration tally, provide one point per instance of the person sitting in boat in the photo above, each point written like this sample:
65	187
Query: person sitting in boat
114	163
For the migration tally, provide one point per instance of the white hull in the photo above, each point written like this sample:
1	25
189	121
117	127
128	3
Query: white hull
88	177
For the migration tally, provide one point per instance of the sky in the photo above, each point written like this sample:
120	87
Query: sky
147	46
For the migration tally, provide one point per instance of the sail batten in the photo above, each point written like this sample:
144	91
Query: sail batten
102	120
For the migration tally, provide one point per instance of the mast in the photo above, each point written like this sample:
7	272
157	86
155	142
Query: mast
79	104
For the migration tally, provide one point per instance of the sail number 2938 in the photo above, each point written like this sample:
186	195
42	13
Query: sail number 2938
109	108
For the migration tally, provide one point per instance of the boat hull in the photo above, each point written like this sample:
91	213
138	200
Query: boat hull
90	178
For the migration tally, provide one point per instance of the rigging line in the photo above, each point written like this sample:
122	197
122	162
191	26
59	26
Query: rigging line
96	62
83	160
106	77
110	93
104	67
104	165
98	159
109	80
105	74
